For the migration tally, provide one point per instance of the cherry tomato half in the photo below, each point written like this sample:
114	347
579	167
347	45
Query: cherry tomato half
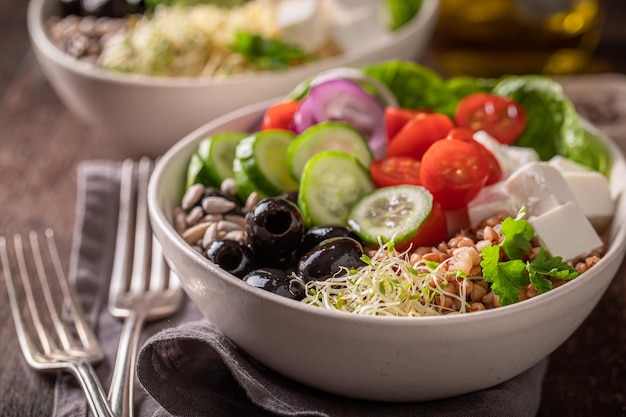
432	232
501	117
396	118
279	115
396	170
495	170
454	171
418	134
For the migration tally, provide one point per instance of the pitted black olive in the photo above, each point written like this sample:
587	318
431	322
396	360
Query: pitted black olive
274	227
232	256
276	281
317	234
326	259
291	196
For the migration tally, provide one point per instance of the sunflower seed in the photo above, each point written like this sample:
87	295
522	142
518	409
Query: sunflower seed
192	196
217	205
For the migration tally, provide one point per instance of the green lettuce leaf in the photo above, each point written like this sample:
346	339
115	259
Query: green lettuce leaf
397	13
414	86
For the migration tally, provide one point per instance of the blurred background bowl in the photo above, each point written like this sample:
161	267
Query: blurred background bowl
147	114
373	357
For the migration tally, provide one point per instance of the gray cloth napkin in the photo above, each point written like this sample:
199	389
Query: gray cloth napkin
188	368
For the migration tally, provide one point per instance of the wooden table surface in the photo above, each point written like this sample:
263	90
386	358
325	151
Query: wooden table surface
41	144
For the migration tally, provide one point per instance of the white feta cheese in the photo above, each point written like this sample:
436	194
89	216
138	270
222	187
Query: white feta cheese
565	231
302	22
357	24
509	157
540	187
522	155
492	200
507	163
593	194
565	165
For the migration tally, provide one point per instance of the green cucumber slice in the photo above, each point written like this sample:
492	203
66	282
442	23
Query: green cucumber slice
327	136
393	213
196	172
260	160
332	181
212	162
218	153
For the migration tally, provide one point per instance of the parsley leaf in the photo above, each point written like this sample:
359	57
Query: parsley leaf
506	278
543	265
269	54
517	236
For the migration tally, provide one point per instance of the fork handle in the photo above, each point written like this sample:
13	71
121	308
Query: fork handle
86	376
122	381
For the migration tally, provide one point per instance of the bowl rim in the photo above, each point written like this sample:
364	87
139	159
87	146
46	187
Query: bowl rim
615	252
35	25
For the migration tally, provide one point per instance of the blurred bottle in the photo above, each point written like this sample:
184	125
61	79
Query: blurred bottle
490	38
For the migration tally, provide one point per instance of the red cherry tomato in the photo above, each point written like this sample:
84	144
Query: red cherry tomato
279	115
432	232
418	134
495	170
454	171
396	170
501	117
396	118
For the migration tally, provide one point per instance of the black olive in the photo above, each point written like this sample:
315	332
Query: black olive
326	259
276	281
317	234
232	256
291	196
111	8
274	228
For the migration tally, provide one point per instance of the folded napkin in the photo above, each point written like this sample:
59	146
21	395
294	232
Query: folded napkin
188	368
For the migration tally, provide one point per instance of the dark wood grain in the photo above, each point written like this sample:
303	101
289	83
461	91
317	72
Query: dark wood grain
41	144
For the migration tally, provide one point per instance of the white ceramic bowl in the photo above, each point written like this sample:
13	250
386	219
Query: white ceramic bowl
147	115
375	358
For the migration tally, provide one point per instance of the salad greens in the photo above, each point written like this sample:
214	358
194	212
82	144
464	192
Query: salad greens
152	4
269	54
553	126
397	13
509	276
414	86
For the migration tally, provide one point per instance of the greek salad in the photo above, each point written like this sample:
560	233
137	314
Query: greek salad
387	190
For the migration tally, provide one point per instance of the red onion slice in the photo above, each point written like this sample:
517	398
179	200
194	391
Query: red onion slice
343	100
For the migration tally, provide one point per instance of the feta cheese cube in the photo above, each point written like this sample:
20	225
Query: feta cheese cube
592	193
356	24
565	231
301	22
540	187
492	200
522	155
565	165
509	157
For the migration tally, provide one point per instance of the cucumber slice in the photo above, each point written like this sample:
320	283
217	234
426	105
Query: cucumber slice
196	172
332	181
393	213
260	162
327	136
218	153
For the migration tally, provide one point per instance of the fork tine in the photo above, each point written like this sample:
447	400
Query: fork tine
120	274
26	343
48	354
83	330
143	232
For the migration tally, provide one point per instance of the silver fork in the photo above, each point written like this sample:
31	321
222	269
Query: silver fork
142	286
49	341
